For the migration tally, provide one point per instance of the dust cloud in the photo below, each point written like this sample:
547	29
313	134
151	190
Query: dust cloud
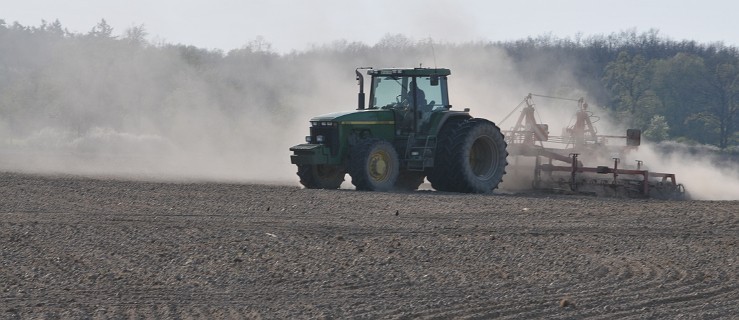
705	176
85	105
107	107
91	106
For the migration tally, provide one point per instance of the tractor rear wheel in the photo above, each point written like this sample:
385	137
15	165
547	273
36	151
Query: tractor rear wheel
437	175
471	158
374	165
321	176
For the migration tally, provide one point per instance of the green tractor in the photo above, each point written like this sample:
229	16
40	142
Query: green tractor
407	133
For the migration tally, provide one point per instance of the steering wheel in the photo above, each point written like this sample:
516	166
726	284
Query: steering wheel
401	103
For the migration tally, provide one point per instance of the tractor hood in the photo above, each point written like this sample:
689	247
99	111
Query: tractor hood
353	116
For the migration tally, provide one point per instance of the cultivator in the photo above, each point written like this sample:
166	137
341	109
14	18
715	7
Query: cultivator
559	160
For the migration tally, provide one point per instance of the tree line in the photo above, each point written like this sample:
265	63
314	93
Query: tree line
683	91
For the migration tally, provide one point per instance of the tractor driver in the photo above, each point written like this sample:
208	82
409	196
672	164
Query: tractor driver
420	98
411	103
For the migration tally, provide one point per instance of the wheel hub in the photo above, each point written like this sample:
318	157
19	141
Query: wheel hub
378	168
482	156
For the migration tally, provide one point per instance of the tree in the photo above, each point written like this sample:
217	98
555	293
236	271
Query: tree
136	34
658	130
723	110
680	83
629	79
102	30
394	42
701	96
57	29
259	44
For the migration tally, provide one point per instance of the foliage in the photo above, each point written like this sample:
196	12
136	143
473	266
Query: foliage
658	129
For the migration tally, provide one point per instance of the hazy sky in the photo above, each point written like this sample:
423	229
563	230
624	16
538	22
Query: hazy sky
296	24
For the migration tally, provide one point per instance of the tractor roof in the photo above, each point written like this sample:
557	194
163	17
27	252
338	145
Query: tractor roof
410	72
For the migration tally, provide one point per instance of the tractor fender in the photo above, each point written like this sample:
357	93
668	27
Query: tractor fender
448	116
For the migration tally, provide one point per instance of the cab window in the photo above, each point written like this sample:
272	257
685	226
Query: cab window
387	90
432	89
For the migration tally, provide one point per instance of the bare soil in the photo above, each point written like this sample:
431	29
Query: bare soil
104	248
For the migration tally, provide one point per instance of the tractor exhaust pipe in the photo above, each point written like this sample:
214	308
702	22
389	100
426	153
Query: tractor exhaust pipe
360	95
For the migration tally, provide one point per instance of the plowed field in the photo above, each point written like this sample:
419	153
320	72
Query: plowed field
103	248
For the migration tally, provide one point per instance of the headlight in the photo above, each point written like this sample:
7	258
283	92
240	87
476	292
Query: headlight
307	139
319	138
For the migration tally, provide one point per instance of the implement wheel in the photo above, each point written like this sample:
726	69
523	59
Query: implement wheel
374	165
321	176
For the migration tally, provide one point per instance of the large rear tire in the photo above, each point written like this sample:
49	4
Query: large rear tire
471	157
437	175
321	176
374	165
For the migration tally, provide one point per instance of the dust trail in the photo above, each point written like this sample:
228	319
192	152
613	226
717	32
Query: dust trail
111	106
704	175
103	106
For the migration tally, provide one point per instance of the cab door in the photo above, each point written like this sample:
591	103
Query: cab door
430	97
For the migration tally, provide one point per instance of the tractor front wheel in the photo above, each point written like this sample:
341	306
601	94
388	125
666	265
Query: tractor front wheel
321	176
374	165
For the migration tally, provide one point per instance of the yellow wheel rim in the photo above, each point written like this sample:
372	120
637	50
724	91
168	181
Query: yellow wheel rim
378	165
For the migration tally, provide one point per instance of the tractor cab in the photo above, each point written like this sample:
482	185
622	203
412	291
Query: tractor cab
413	95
